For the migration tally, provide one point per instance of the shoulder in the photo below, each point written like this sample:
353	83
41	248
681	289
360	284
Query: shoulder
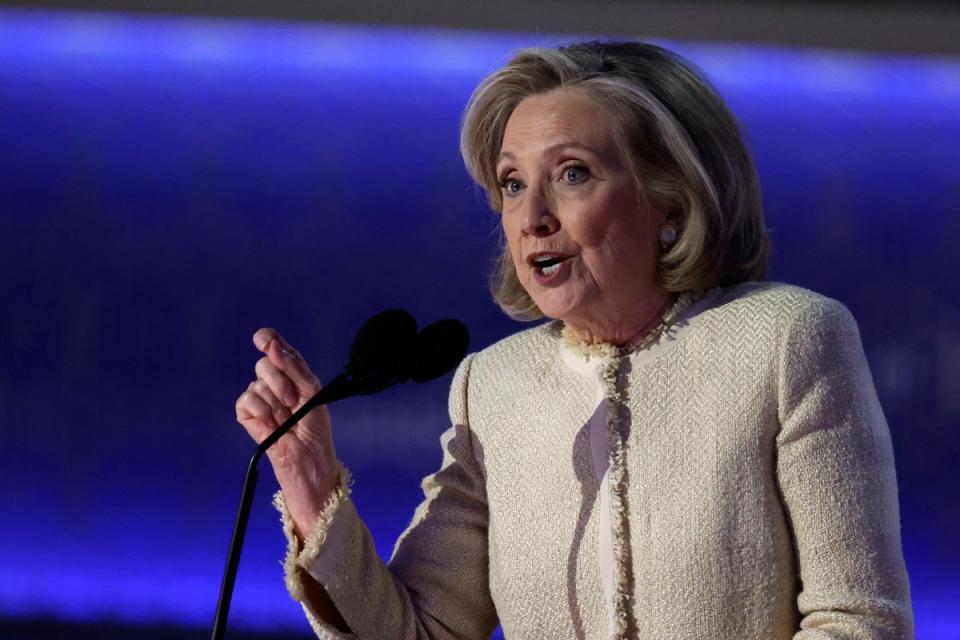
763	323
523	344
506	366
775	308
771	298
521	354
808	333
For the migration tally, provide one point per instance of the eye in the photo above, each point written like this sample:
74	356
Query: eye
575	174
511	186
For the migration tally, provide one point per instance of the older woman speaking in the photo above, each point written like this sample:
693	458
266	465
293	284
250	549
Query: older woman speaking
680	452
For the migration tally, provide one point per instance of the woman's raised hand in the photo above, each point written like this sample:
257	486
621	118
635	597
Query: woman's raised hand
304	460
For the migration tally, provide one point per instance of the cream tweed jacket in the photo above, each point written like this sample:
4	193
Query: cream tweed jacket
733	480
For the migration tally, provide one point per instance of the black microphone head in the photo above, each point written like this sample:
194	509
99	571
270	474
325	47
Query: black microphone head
382	351
439	347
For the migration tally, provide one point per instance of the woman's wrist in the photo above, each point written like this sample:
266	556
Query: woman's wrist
307	493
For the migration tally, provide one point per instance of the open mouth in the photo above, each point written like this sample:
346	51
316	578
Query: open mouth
548	264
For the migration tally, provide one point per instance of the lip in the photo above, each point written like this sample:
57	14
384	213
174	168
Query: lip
532	258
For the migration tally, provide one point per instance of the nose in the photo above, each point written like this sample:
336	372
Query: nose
539	218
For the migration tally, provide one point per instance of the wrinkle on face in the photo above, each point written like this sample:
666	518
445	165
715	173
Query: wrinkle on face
605	222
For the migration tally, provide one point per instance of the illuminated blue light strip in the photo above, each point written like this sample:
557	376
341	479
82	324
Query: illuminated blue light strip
203	41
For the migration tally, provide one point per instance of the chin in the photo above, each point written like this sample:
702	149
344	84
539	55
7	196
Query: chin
556	309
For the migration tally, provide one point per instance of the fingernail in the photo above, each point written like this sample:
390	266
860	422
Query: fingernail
266	344
289	399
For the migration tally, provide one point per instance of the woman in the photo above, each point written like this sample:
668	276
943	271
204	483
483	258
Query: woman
683	452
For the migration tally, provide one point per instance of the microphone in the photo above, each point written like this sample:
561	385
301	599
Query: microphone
440	347
387	350
382	351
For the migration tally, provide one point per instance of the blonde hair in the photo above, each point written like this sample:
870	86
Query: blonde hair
682	141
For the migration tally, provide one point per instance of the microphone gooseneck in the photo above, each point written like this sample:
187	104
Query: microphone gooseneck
386	350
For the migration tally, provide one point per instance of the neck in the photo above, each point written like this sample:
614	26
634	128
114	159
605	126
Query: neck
634	327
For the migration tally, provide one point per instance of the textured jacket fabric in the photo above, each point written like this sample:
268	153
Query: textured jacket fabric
760	498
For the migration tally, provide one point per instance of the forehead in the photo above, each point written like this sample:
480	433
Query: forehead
566	115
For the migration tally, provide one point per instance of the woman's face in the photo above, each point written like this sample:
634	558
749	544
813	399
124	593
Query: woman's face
582	238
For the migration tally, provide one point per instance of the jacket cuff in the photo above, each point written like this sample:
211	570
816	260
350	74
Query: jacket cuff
320	547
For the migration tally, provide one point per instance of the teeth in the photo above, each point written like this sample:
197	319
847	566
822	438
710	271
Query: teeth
547	259
551	269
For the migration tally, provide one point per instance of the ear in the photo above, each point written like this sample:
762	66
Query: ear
659	215
667	213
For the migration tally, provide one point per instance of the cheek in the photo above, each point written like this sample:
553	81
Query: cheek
620	231
512	237
607	226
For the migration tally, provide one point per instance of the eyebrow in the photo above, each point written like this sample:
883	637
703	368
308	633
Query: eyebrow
506	155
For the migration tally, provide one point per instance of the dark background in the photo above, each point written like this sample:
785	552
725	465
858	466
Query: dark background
170	183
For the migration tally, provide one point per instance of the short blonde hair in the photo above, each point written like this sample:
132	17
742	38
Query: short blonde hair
683	142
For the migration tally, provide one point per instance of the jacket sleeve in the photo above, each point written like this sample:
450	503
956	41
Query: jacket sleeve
436	584
835	471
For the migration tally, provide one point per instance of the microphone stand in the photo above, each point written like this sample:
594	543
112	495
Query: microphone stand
339	388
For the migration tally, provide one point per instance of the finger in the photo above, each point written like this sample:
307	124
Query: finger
263	337
288	360
266	337
280	385
255	415
280	410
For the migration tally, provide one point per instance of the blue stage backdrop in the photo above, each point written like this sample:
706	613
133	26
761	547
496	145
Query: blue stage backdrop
168	185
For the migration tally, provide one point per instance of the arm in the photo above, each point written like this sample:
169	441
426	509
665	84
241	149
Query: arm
436	585
836	475
304	462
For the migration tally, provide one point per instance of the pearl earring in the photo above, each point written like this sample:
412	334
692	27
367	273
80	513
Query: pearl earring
668	236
